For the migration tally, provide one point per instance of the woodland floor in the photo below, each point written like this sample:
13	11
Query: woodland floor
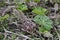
19	24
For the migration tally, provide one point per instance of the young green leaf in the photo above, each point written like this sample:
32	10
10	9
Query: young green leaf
39	10
33	1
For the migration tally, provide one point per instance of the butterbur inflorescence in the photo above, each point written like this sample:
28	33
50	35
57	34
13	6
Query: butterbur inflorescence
44	21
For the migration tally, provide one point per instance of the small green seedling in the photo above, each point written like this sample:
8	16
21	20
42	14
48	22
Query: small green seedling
21	7
4	17
13	37
1	36
2	4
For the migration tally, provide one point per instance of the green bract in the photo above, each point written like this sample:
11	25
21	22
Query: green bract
44	21
22	7
39	10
